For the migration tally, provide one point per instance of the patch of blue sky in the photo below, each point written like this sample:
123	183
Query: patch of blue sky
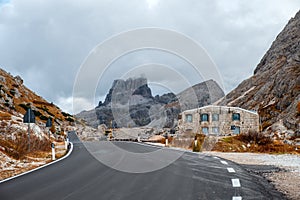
4	2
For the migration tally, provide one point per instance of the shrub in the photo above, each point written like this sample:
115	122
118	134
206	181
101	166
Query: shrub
37	113
69	119
200	140
25	107
254	137
18	148
42	117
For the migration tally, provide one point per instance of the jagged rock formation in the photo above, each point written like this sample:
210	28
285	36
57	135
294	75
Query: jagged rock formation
274	89
129	103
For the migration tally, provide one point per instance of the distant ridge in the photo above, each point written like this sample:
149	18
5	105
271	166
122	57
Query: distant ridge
129	103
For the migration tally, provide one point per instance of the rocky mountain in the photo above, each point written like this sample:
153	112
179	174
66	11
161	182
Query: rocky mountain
16	98
200	95
129	103
274	88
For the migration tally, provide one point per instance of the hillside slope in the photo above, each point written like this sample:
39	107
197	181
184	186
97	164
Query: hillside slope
15	98
15	154
274	88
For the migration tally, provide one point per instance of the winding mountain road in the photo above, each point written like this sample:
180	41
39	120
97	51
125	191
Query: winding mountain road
81	176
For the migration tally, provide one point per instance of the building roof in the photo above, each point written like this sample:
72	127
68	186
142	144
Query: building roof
224	107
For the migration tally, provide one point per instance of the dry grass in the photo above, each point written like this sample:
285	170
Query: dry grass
18	148
254	142
163	140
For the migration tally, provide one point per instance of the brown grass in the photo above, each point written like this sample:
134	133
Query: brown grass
258	143
163	140
18	148
254	137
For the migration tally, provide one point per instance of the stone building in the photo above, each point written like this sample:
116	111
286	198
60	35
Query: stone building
218	120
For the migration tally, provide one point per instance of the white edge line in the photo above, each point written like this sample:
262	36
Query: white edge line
224	162
171	148
236	182
230	170
40	167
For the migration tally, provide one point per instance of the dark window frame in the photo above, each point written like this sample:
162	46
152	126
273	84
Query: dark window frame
187	118
201	117
236	117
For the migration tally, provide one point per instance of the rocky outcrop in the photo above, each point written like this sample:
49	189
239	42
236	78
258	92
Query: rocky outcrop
274	88
199	95
16	98
129	103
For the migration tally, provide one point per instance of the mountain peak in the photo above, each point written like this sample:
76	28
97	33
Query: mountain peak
130	103
274	89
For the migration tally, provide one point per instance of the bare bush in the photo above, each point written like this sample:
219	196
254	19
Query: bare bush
254	137
18	148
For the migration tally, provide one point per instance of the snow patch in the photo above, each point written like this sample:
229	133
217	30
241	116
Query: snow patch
270	103
242	96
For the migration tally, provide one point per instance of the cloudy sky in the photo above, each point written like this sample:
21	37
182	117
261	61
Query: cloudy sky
46	41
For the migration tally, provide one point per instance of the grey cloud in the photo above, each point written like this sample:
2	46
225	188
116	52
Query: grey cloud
46	41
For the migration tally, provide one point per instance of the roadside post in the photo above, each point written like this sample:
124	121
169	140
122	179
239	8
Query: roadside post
29	117
139	138
66	143
53	151
166	139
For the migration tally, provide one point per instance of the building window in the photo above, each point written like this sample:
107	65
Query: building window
189	118
236	117
236	130
215	130
215	117
205	130
204	117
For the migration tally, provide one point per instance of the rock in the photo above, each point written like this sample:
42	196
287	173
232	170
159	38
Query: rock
18	80
2	79
289	134
274	88
129	103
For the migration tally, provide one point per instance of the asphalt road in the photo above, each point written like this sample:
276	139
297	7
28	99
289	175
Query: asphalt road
192	176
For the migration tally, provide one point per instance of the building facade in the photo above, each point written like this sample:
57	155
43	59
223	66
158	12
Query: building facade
218	120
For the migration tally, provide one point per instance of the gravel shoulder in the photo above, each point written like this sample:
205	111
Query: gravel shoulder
283	171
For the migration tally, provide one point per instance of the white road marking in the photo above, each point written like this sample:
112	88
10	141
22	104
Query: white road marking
216	157
236	198
35	169
236	182
230	170
224	162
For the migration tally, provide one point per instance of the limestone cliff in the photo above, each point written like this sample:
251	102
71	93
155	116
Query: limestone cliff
274	88
129	103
